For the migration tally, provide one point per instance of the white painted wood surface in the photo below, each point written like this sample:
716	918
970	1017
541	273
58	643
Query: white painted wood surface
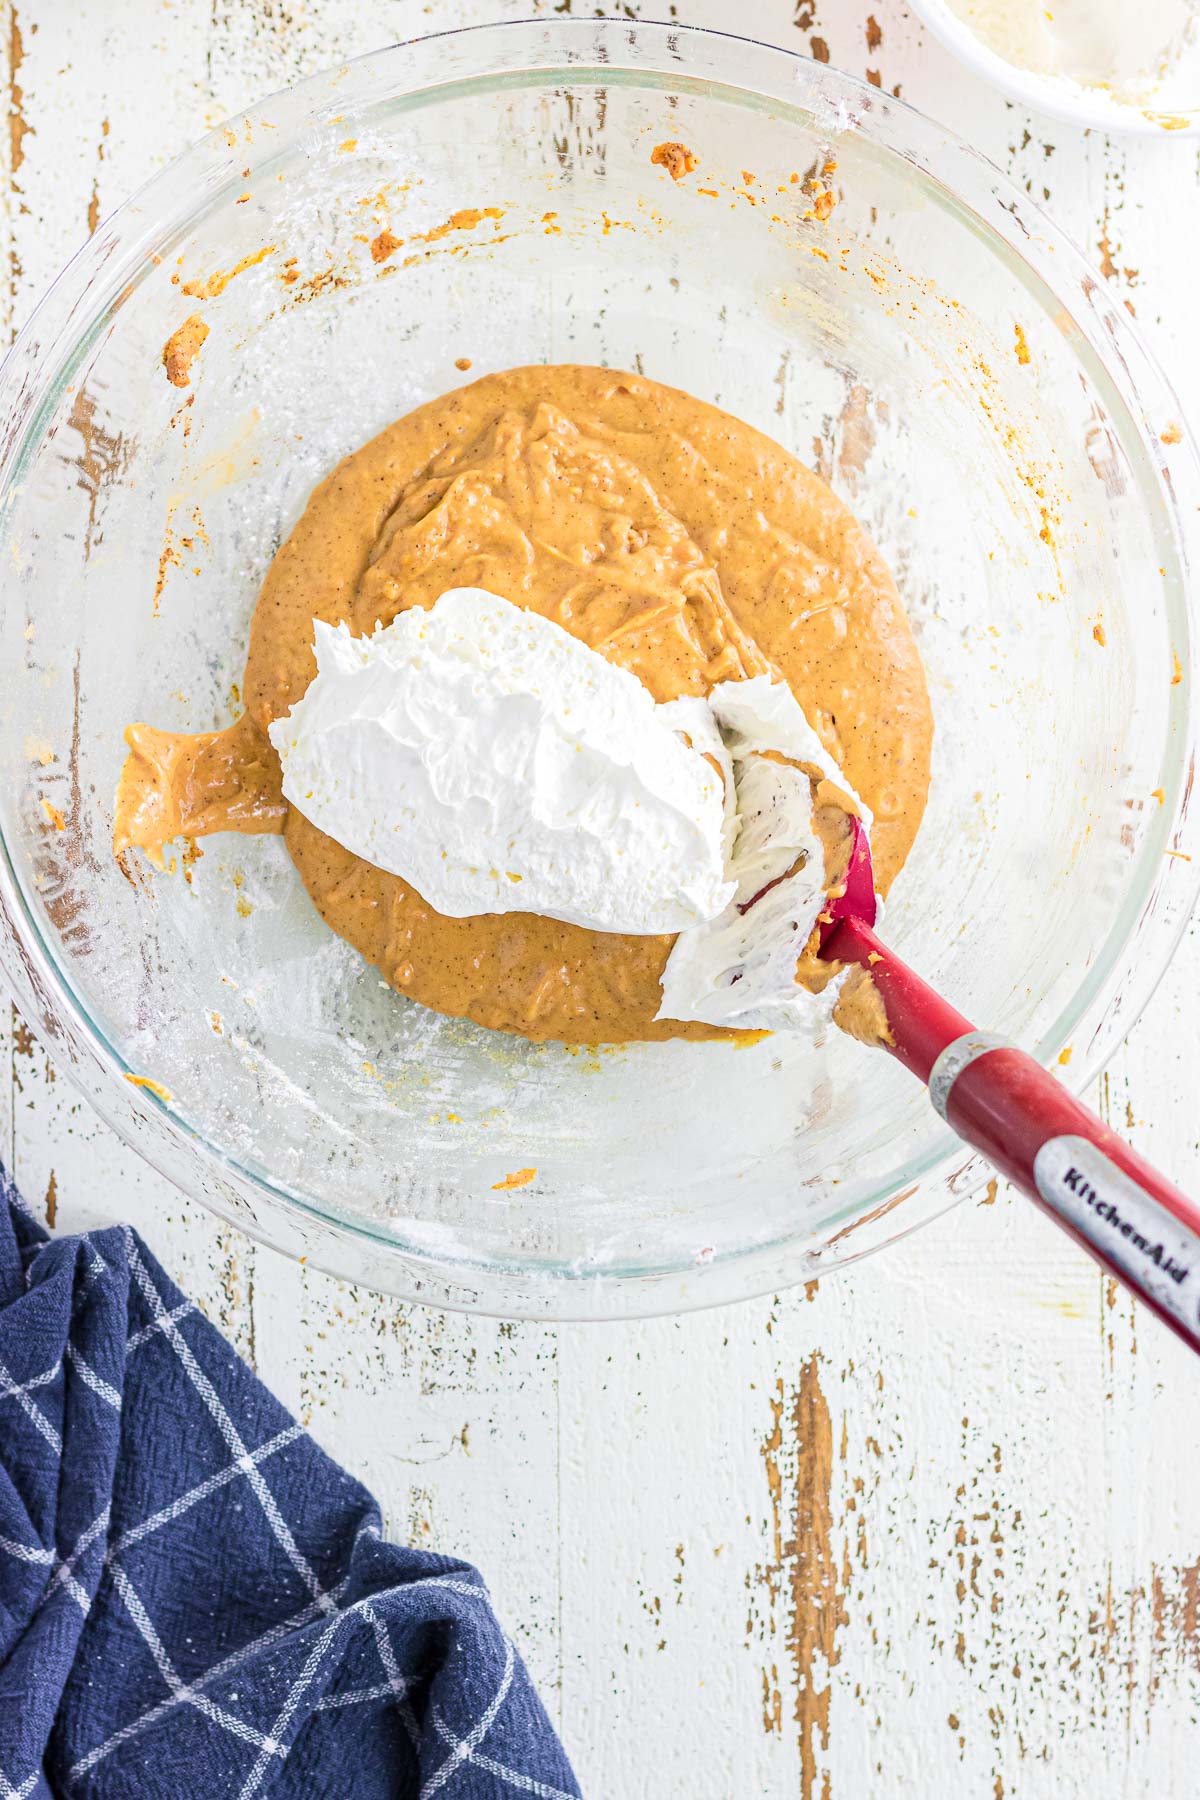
933	1528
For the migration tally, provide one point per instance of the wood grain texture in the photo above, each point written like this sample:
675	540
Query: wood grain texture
928	1528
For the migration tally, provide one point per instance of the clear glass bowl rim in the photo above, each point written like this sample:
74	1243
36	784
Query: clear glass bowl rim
490	58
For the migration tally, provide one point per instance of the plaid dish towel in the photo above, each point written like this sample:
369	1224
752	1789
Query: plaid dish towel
194	1600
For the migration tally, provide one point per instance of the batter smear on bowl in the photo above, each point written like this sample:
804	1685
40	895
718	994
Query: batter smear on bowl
663	533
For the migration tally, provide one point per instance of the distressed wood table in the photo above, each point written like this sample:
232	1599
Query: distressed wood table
932	1527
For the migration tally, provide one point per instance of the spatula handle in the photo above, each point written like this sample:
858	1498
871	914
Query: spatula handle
1142	1228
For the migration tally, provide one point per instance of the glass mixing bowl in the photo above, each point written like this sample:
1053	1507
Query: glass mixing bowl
933	345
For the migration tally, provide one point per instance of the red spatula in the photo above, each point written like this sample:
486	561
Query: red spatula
1141	1228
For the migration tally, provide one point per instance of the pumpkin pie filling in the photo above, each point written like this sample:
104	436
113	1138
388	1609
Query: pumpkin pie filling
669	536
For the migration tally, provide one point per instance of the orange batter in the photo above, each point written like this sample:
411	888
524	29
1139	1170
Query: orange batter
666	534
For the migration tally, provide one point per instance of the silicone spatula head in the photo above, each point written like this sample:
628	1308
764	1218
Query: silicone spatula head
857	898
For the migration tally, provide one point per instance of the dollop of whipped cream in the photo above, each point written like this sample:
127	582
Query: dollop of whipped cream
497	764
739	969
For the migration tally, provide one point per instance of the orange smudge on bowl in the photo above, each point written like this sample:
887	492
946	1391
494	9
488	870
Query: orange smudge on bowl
384	245
182	348
216	284
155	1087
518	1178
676	159
466	219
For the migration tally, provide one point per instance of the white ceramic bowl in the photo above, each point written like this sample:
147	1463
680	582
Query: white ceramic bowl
1173	109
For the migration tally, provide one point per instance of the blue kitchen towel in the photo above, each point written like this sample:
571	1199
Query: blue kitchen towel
194	1600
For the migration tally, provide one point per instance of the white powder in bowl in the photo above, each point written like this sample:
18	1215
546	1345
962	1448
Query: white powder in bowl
1126	49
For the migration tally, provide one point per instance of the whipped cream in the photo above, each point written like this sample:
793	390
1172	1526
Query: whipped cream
739	969
497	764
1108	44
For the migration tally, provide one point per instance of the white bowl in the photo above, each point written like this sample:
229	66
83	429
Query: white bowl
1176	107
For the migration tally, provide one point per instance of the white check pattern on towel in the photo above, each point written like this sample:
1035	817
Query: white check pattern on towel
206	1585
